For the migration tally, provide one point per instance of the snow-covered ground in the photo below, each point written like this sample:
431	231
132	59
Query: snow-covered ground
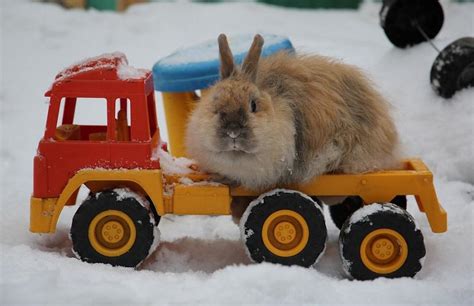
201	259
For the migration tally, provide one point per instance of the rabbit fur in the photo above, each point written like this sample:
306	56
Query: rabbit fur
288	118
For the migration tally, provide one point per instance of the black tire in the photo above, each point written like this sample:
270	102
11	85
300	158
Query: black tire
400	18
143	223
453	68
386	217
252	224
156	216
340	212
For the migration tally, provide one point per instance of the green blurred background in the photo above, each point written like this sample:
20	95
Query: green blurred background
120	5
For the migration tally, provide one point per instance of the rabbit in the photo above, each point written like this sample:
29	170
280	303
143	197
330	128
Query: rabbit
288	118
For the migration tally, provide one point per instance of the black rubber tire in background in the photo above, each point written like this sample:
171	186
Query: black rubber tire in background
108	200
399	18
340	212
453	68
391	217
252	225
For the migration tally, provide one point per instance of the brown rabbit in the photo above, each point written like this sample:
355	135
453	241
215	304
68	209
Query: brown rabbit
288	118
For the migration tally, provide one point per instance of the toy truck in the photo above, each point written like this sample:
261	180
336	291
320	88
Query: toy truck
121	164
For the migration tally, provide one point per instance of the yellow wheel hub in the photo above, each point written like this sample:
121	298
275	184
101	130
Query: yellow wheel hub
383	251
112	233
285	233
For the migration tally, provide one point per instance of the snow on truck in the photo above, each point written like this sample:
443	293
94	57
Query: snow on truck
133	182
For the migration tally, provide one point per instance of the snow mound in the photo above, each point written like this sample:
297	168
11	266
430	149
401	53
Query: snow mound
115	60
127	72
173	165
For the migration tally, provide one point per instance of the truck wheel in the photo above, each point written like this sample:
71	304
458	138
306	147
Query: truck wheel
156	216
381	241
340	212
453	68
114	229
285	227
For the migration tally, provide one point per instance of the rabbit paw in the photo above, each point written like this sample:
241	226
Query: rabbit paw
224	180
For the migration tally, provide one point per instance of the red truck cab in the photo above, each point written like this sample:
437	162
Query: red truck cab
126	140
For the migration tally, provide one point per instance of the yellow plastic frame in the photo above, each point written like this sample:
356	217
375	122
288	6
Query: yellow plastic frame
380	187
213	199
185	200
177	107
44	213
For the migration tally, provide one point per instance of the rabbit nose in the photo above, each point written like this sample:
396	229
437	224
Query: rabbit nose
233	130
233	133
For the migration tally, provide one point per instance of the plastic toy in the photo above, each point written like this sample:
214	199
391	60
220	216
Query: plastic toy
122	163
453	68
410	22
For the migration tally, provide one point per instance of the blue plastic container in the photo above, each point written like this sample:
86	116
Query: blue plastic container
197	67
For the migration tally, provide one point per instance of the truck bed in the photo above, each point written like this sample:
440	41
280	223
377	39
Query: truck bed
375	187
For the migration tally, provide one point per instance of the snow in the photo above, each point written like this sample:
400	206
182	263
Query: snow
114	60
383	15
346	263
106	60
363	214
127	72
201	259
173	165
125	193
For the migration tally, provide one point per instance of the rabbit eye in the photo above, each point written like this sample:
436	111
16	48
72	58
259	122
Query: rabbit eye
253	106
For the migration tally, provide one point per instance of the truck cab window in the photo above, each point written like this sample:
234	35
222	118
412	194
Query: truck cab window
82	119
122	119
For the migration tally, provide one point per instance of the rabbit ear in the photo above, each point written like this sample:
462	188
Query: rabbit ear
249	67
227	60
